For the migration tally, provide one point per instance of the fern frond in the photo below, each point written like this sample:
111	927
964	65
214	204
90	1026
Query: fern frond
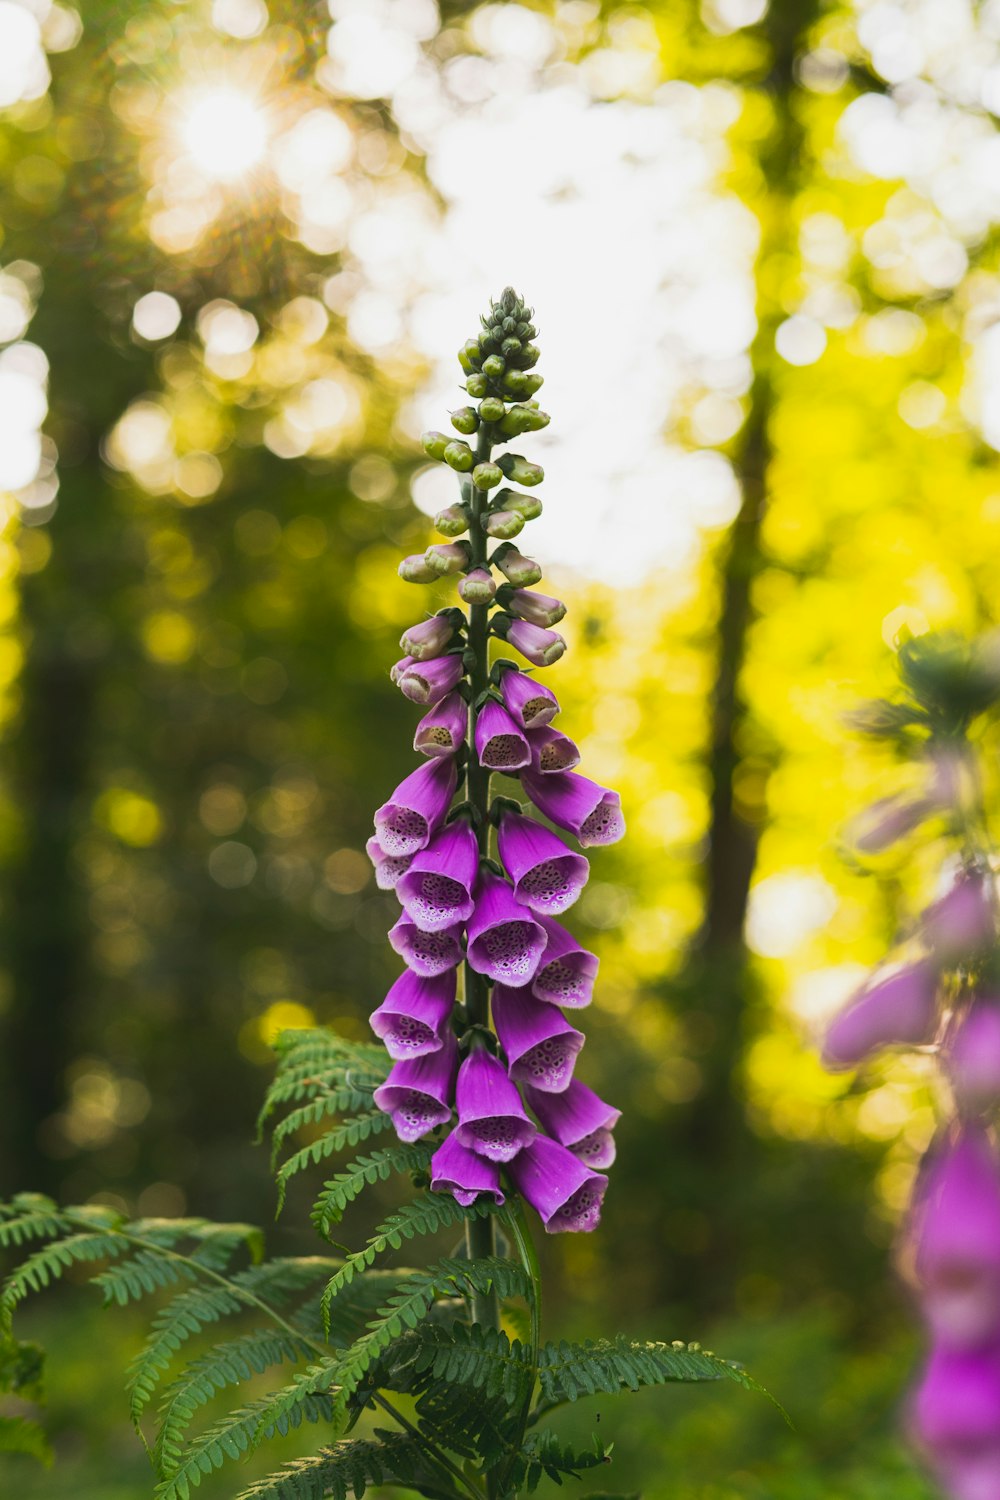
348	1468
323	1107
29	1216
242	1431
225	1364
348	1133
185	1315
22	1435
48	1264
544	1457
568	1371
141	1275
342	1190
425	1214
483	1359
411	1301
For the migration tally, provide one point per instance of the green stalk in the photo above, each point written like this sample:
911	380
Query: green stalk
480	1239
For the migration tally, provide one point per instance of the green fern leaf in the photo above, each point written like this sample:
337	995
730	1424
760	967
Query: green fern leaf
426	1214
21	1435
337	1194
568	1371
224	1365
141	1275
186	1314
242	1431
29	1216
349	1133
349	1468
484	1359
48	1264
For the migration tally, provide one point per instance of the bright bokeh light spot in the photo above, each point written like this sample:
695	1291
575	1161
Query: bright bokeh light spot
225	132
156	316
786	909
800	341
905	617
242	19
24	73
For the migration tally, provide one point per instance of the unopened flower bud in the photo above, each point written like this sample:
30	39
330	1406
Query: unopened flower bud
399	667
528	356
486	476
434	443
477	385
503	523
541	647
520	471
466	419
477	587
539	609
428	638
470	356
416	569
451	521
529	506
458	455
510	345
492	409
521	419
494	366
448	557
519	570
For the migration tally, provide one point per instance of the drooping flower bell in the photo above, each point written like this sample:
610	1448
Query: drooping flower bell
500	743
547	876
464	1173
426	953
419	1092
972	1057
505	941
491	1118
567	972
577	1118
540	1044
592	813
562	1190
412	1017
436	891
956	1229
442	731
405	823
531	703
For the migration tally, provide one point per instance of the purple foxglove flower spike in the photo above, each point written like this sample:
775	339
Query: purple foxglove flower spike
412	1017
541	647
441	731
464	1173
541	1045
436	891
529	702
426	953
564	1192
546	875
552	752
505	941
477	587
956	1233
898	1010
567	972
539	609
579	1120
418	1093
491	1117
961	923
405	823
955	1418
500	744
389	869
428	638
972	1056
430	681
590	812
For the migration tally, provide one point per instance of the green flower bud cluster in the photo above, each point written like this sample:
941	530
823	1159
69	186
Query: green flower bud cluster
500	375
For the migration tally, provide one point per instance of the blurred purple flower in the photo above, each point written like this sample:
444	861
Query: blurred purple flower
955	1228
955	1417
972	1057
961	923
900	1009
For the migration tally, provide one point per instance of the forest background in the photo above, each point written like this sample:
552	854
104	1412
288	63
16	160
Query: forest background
240	245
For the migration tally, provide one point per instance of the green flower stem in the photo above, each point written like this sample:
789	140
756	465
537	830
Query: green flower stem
529	1257
435	1453
479	1235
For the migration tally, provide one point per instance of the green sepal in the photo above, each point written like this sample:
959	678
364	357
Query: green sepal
500	805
